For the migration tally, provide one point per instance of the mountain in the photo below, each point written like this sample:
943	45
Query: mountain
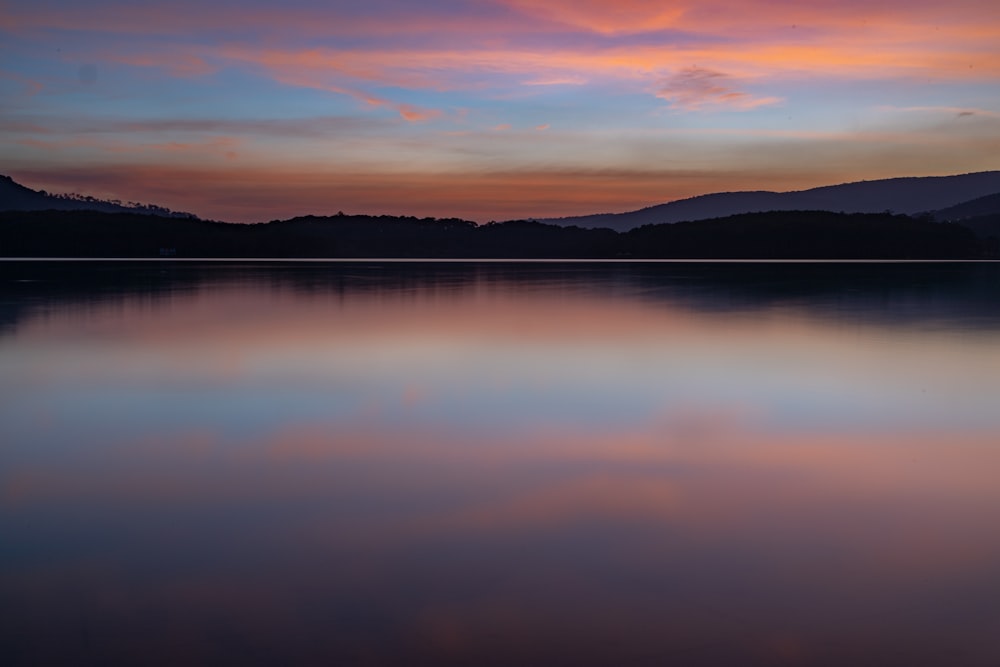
988	205
37	224
946	198
898	195
986	227
981	215
16	197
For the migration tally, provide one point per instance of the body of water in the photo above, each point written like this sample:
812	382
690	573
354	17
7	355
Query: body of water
419	463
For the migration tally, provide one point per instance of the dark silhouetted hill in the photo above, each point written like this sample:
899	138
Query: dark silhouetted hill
775	235
16	197
898	195
982	216
805	234
981	206
987	228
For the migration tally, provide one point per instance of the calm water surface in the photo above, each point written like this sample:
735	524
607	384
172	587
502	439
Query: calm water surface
499	464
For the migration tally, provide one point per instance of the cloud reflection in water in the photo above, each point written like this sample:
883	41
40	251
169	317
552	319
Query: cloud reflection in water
494	468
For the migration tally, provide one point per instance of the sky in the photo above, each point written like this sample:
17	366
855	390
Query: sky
488	109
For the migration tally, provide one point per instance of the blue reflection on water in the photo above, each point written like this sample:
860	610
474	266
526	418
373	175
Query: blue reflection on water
499	464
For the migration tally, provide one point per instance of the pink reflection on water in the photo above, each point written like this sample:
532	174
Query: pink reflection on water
525	475
832	531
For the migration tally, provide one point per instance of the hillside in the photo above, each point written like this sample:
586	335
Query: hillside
898	195
36	224
16	197
981	206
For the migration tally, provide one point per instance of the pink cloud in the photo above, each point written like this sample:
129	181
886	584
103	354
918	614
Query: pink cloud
184	65
31	86
713	82
763	41
697	89
326	71
608	18
920	37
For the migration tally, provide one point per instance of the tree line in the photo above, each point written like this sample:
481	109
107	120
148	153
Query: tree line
773	235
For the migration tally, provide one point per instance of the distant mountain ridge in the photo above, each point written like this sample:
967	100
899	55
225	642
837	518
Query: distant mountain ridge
972	198
981	215
988	205
16	197
36	224
909	195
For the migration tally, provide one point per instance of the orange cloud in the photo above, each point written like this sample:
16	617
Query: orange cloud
702	64
608	18
693	75
740	39
414	114
859	18
735	17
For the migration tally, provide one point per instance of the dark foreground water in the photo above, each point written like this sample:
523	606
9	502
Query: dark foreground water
499	464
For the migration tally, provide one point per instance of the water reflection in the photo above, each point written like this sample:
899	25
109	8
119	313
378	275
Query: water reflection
962	293
500	464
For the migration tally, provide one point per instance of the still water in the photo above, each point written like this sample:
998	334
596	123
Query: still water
376	463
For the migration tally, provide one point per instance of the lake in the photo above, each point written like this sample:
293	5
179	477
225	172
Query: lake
499	463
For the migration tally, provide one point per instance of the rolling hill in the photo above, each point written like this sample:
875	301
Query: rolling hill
899	195
36	224
16	197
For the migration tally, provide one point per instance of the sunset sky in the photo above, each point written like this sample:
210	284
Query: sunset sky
488	109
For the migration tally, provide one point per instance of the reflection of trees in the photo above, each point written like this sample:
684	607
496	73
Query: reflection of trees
903	293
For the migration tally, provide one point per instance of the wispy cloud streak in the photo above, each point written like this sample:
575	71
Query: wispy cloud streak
697	89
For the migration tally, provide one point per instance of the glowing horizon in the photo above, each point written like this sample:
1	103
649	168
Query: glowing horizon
489	110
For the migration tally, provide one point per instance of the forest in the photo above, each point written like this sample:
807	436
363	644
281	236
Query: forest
772	235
